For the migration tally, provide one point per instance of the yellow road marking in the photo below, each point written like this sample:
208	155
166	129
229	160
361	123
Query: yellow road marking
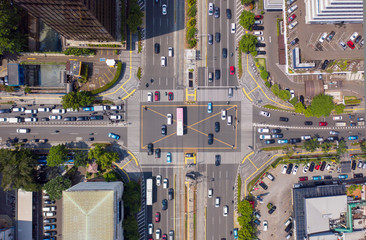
134	158
253	163
247	95
126	164
247	156
187	183
253	90
107	76
122	170
125	90
129	94
3	69
31	58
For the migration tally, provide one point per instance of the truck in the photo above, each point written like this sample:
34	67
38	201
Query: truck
14	120
340	124
96	108
49	227
149	191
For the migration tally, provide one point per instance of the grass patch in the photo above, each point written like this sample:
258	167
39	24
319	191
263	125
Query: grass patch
84	73
139	73
8	102
110	84
349	98
240	72
276	162
261	63
239	187
250	185
139	42
269	106
273	148
103	102
278	26
352	102
260	5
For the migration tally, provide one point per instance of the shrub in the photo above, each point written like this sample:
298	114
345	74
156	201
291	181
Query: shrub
27	89
192	11
254	53
264	75
191	22
191	32
79	51
268	84
192	43
261	68
139	72
191	2
110	84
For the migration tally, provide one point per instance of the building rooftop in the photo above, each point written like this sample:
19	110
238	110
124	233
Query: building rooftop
24	215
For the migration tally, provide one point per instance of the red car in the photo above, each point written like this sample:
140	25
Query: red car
170	96
232	70
323	123
350	44
317	167
292	17
164	237
157	95
157	217
258	17
301	179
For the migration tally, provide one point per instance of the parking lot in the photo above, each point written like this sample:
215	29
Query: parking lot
309	35
197	124
54	222
279	193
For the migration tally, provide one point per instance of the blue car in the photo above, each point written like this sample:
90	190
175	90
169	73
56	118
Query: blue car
352	137
209	107
88	109
343	176
235	232
114	136
168	157
282	141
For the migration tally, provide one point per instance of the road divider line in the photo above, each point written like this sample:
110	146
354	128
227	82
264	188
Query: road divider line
247	95
253	90
247	156
133	156
252	163
122	171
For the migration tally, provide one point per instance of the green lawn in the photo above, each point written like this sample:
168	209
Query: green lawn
262	62
260	4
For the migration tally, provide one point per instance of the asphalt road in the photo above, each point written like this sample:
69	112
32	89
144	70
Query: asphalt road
215	59
162	29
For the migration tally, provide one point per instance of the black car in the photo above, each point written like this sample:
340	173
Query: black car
284	119
261	52
150	149
289	168
358	39
272	209
210	39
331	138
224	52
91	139
164	204
97	117
330	36
217	37
308	123
45	119
325	65
228	13
217	127
311	168
191	175
70	119
302	99
327	177
358	175
293	42
210	139
217	74
276	130
171	194
263	185
217	160
157	48
190	155
260	45
157	153
255	27
322	167
288	228
271	141
353	165
83	118
163	130
217	12
295	140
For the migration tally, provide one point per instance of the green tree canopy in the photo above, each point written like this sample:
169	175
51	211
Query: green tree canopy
275	89
326	146
57	155
299	107
135	16
322	105
246	19
75	100
284	95
103	157
341	148
264	74
363	146
110	176
55	186
11	38
247	43
18	170
339	108
80	159
311	145
246	2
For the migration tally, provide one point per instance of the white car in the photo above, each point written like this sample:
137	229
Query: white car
307	137
116	107
258	22
265	114
223	114
158	180
327	167
264	136
150	228
158	233
165	183
305	169
333	132
284	169
354	36
225	210
258	33
292	9
18	109
149	96
55	117
116	117
164	9
210	193
233	27
292	25
294	171
59	111
169	118
210	9
265	225
263	130
292	93
260	39
323	36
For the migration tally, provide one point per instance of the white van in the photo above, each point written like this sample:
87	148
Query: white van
117	107
223	114
23	130
18	109
44	109
149	97
291	9
170	52
31	111
337	118
230	92
163	61
217	202
229	120
233	27
169	118
210	77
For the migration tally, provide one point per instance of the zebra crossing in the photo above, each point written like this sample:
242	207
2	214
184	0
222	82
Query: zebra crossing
141	3
141	216
239	29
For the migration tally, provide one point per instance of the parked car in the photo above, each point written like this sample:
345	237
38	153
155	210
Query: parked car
265	114
263	185
258	17
308	123
350	44
293	42
228	13
330	36
157	153
343	45
291	18
311	167
322	37
289	168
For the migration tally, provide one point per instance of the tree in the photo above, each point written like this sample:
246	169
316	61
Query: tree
55	186
341	148
110	177
311	145
130	228
245	208
18	170
246	19
275	89
135	16
299	107
103	158
264	75
246	232
75	100
11	38
57	155
246	2
284	95
308	112
27	89
339	108
247	43
326	147
322	105
80	159
363	146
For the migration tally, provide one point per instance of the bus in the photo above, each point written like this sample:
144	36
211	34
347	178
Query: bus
149	191
179	121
